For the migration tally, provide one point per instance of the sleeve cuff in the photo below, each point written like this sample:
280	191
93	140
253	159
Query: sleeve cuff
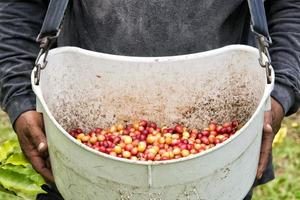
285	96
20	104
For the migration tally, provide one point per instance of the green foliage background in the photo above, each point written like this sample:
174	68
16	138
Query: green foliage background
18	180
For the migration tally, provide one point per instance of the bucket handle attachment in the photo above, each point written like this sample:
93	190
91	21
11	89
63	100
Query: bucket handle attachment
49	33
263	45
259	27
45	45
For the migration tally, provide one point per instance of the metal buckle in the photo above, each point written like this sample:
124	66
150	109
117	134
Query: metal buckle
263	45
38	66
40	38
45	44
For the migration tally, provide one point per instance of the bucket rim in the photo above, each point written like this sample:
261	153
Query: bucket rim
153	59
267	90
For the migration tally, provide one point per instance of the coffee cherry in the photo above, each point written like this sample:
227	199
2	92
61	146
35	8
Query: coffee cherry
126	154
150	156
133	158
214	133
118	149
234	124
178	128
151	139
142	146
212	127
134	151
204	140
193	151
168	140
197	146
113	129
93	140
153	151
143	123
85	138
128	147
185	135
127	140
120	127
157	157
175	136
227	124
205	133
161	140
136	126
101	138
153	125
185	153
211	138
80	136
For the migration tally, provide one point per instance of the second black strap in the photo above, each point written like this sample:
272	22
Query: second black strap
53	18
258	17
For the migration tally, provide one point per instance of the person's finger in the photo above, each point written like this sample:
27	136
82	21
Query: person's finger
266	146
268	118
48	163
30	124
39	140
277	115
34	157
39	164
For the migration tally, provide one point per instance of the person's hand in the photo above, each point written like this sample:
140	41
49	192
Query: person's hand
30	130
272	123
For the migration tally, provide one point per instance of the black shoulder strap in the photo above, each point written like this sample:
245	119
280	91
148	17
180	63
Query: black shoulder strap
258	18
259	27
53	19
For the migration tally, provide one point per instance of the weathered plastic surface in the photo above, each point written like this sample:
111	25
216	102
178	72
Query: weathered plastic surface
88	89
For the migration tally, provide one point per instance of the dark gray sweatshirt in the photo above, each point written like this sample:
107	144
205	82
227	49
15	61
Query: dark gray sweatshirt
145	28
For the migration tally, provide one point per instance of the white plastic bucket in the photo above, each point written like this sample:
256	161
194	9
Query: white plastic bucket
89	89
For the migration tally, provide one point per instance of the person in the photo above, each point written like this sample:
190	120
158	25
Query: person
144	28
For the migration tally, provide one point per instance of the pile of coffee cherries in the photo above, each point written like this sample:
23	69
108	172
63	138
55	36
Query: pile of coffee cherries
145	141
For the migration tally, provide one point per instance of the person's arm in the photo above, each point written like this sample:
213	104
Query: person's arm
284	27
20	23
